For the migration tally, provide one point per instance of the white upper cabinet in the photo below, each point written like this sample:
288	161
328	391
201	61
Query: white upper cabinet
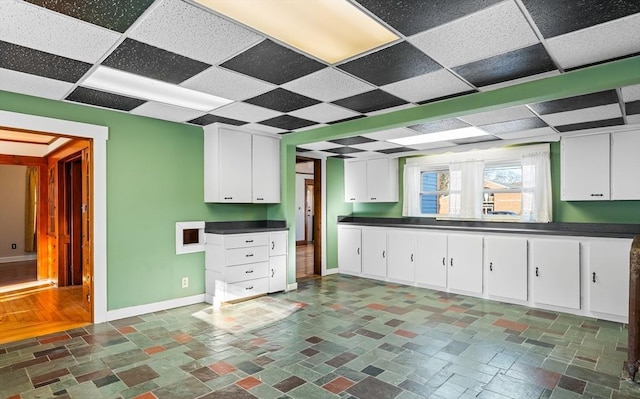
507	267
371	180
240	167
585	168
625	165
556	272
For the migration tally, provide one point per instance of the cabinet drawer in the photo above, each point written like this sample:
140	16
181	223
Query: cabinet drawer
241	256
246	240
247	288
250	271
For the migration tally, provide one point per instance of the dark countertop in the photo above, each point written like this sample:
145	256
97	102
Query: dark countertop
565	229
253	226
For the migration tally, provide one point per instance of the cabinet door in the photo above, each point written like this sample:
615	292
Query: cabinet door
585	168
278	243
235	166
556	272
266	169
609	276
625	165
355	181
377	180
402	256
349	250
507	267
374	252
465	262
431	267
277	273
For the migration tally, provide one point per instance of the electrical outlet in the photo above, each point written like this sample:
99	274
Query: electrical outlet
14	246
185	282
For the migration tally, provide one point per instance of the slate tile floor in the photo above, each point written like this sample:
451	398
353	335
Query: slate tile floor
336	337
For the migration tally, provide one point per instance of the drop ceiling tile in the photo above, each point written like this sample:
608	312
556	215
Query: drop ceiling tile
209	119
193	32
343	150
497	116
320	146
391	134
514	126
539	132
375	145
282	100
324	113
556	17
520	80
478	139
391	109
583	115
365	155
631	93
30	26
298	149
166	112
33	85
153	62
576	102
633	119
632	108
341	156
347	119
590	125
411	17
273	63
351	141
105	13
429	86
226	84
439	126
370	101
398	62
245	112
256	127
396	150
103	99
515	64
287	122
432	100
492	31
327	84
302	129
40	63
599	43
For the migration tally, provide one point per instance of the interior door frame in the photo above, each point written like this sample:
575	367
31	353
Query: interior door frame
317	215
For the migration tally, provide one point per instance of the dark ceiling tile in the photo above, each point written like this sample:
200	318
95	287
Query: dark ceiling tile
209	119
153	62
34	62
590	125
515	64
346	119
396	150
464	93
605	61
341	157
352	140
114	15
410	16
272	62
576	102
514	126
478	139
370	101
288	122
555	17
103	99
398	62
343	150
632	108
439	126
298	149
282	100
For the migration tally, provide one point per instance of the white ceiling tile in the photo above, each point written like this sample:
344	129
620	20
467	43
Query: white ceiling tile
223	83
387	110
598	43
391	134
323	113
375	146
541	131
328	85
583	115
492	31
320	145
316	154
166	112
24	83
256	127
520	80
188	30
426	87
497	116
302	129
631	93
245	112
31	26
633	119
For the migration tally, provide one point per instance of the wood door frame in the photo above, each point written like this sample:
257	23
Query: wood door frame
317	214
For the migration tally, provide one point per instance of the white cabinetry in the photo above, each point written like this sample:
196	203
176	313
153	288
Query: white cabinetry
608	265
349	250
371	180
556	272
431	268
266	169
278	261
374	252
506	267
625	165
402	256
465	262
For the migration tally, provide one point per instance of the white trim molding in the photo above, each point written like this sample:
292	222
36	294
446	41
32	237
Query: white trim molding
181	247
138	310
292	286
20	258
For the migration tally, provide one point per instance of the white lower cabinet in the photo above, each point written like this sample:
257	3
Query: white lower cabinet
349	250
402	256
277	273
465	262
556	272
608	265
506	267
374	252
431	268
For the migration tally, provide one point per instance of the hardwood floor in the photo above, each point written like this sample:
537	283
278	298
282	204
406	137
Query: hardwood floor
17	272
304	261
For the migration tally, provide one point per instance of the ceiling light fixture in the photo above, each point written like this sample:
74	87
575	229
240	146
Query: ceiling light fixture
445	135
331	30
128	84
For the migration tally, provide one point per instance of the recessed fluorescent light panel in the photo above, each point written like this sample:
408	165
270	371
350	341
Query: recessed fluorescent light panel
128	84
446	135
331	30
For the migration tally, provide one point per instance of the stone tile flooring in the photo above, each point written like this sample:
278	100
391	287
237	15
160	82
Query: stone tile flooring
336	337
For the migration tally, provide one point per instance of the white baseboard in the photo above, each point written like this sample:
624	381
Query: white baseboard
335	270
292	286
21	258
153	307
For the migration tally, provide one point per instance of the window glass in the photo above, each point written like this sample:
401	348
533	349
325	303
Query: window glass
434	192
502	194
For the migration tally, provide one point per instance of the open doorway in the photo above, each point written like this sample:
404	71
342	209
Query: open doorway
308	217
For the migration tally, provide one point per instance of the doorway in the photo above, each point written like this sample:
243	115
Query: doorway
308	218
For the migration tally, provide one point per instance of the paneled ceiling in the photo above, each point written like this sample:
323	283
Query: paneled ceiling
445	49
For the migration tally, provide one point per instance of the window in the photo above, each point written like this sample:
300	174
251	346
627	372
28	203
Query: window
434	192
502	190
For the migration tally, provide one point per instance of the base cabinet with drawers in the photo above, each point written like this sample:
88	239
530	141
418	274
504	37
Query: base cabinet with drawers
239	266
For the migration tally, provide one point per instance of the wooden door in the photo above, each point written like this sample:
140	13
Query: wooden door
87	230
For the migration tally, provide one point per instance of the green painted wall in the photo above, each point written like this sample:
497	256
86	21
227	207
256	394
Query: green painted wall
335	207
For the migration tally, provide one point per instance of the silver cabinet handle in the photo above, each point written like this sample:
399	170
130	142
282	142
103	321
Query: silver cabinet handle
451	262
248	271
249	255
444	261
383	253
490	266
273	272
273	244
249	288
248	241
358	251
411	257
